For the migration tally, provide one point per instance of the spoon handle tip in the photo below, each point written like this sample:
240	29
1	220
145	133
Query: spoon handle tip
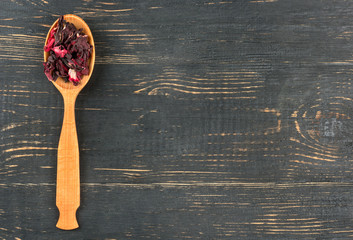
67	219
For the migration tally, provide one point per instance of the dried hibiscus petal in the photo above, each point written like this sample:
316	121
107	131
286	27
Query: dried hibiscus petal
60	51
72	75
69	52
50	44
51	40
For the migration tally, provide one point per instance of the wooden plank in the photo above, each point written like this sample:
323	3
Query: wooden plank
170	211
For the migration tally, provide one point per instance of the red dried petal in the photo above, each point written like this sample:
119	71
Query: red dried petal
60	51
52	32
50	44
73	75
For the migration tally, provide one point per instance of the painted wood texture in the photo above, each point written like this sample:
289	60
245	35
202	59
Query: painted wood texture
202	120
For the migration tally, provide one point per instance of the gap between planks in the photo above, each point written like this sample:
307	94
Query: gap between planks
198	184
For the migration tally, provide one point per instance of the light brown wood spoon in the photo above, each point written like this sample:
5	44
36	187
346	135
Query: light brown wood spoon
68	172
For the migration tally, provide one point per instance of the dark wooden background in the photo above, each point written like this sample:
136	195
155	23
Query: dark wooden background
202	120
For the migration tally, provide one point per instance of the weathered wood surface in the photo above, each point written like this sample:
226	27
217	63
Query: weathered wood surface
202	120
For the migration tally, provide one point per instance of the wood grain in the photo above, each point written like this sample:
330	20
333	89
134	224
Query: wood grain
202	120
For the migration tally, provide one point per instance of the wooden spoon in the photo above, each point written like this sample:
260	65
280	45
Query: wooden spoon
68	172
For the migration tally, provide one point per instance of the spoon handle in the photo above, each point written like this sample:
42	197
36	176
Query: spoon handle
68	172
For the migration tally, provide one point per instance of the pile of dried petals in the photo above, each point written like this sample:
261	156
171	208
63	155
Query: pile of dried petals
69	52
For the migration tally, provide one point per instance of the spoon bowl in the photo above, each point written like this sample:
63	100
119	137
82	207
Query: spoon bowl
60	83
68	171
